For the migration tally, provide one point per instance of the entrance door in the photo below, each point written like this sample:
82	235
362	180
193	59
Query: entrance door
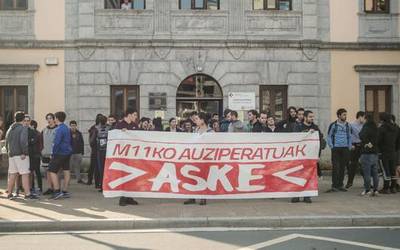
378	99
199	93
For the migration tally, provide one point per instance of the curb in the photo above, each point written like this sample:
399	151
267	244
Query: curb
163	223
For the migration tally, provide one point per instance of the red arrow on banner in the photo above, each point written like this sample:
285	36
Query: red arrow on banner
134	173
295	180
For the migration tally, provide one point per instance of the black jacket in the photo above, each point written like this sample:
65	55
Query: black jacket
388	138
77	143
34	143
288	125
369	134
258	127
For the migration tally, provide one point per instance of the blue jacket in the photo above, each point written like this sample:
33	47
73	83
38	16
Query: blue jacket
62	141
339	135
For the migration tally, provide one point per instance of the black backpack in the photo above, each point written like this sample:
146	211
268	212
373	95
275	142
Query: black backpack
102	138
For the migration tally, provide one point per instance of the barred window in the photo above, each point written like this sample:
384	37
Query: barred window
377	6
13	4
272	4
199	4
125	4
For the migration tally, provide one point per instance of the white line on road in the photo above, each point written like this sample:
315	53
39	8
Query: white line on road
195	229
312	237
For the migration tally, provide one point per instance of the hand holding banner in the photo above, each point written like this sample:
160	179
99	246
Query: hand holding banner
211	165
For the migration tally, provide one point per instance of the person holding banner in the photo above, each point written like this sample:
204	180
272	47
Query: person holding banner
201	128
128	123
305	127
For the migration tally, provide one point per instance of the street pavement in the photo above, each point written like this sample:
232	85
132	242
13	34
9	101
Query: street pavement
88	210
203	239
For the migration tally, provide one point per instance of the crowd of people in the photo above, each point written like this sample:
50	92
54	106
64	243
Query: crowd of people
361	145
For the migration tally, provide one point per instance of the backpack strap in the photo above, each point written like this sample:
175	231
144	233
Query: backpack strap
334	127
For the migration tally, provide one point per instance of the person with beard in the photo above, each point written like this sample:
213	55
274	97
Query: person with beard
339	140
254	123
93	170
288	125
305	127
262	123
224	125
369	156
388	140
128	123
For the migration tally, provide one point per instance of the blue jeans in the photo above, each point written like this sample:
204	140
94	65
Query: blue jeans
369	164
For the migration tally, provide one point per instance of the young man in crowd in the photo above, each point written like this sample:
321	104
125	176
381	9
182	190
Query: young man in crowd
388	144
145	124
47	139
173	126
308	126
214	124
201	128
34	154
61	155
224	125
300	116
254	123
289	124
78	150
18	150
187	126
271	124
128	123
339	140
262	123
112	121
93	170
100	138
369	158
355	152
215	117
236	126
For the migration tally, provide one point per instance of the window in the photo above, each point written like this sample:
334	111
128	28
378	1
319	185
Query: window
125	4
13	4
122	98
376	6
12	99
378	100
273	100
200	93
199	4
272	4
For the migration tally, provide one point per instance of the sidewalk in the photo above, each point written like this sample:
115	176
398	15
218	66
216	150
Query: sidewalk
88	210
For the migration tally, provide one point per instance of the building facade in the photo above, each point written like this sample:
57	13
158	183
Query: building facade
168	57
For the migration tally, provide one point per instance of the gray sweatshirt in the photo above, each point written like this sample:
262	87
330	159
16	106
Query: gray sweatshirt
17	140
48	135
236	126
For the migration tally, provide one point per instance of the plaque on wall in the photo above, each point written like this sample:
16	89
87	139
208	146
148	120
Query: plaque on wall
157	101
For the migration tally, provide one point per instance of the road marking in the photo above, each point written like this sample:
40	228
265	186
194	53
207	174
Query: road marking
199	229
295	180
312	237
134	173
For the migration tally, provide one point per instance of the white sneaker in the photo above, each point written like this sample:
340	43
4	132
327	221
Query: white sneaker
375	193
364	193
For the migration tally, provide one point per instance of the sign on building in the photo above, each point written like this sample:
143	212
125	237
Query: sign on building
242	100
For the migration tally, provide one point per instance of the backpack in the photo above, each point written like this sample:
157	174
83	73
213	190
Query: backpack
333	126
102	138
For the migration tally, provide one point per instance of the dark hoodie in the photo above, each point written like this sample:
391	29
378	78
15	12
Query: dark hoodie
388	138
288	125
369	134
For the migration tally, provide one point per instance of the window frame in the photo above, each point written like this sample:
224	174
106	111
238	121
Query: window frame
205	4
275	88
277	5
14	6
125	89
374	7
15	89
120	3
